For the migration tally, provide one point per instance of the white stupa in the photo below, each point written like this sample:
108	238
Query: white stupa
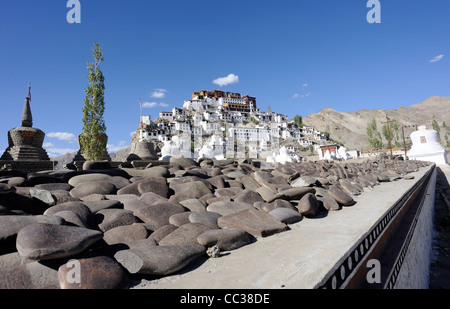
282	156
426	146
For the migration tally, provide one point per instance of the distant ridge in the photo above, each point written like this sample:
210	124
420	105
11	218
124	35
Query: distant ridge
350	127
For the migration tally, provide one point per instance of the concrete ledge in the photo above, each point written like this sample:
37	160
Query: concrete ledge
28	166
296	259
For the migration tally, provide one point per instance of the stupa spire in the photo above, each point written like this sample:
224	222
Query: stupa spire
27	118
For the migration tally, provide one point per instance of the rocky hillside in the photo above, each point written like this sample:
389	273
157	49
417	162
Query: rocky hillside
350	127
63	160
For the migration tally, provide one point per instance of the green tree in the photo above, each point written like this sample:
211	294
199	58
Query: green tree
436	127
394	127
269	110
94	139
298	120
374	135
447	141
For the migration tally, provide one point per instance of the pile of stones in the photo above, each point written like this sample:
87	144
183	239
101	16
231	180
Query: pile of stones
105	228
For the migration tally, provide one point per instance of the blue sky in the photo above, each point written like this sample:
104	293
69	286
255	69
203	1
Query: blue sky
298	56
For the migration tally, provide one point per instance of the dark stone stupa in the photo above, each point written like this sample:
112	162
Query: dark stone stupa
25	150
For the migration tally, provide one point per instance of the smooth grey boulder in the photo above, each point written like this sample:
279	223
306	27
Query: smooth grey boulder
382	177
96	206
107	219
268	207
6	188
33	275
230	192
78	179
93	187
44	196
248	196
157	187
96	272
207	218
151	198
304	181
154	171
96	165
132	188
133	204
328	203
225	208
308	205
158	214
179	219
217	182
292	193
42	241
183	162
185	234
72	218
226	239
13	180
265	193
275	183
125	234
195	188
340	196
255	222
119	181
13	259
79	208
249	182
194	205
54	186
162	232
11	225
286	215
159	260
349	187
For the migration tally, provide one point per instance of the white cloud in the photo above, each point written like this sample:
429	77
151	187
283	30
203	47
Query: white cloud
149	104
228	80
48	145
306	95
305	85
56	152
63	136
437	58
153	104
115	148
159	93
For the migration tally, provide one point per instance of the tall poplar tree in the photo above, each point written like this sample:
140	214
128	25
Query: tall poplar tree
94	139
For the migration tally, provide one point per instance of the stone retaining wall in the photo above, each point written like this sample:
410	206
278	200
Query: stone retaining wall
414	272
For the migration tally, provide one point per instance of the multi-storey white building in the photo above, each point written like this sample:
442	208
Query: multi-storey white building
236	118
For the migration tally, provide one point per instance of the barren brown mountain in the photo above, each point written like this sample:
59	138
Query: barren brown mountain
350	128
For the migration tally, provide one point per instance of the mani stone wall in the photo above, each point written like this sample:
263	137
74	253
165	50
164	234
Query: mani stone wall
414	272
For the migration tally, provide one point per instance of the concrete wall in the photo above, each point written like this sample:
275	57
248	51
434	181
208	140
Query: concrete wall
414	272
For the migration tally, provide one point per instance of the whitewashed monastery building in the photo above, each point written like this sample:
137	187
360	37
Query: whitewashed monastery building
229	118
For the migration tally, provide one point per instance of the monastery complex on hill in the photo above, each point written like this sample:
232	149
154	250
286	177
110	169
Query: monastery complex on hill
222	121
